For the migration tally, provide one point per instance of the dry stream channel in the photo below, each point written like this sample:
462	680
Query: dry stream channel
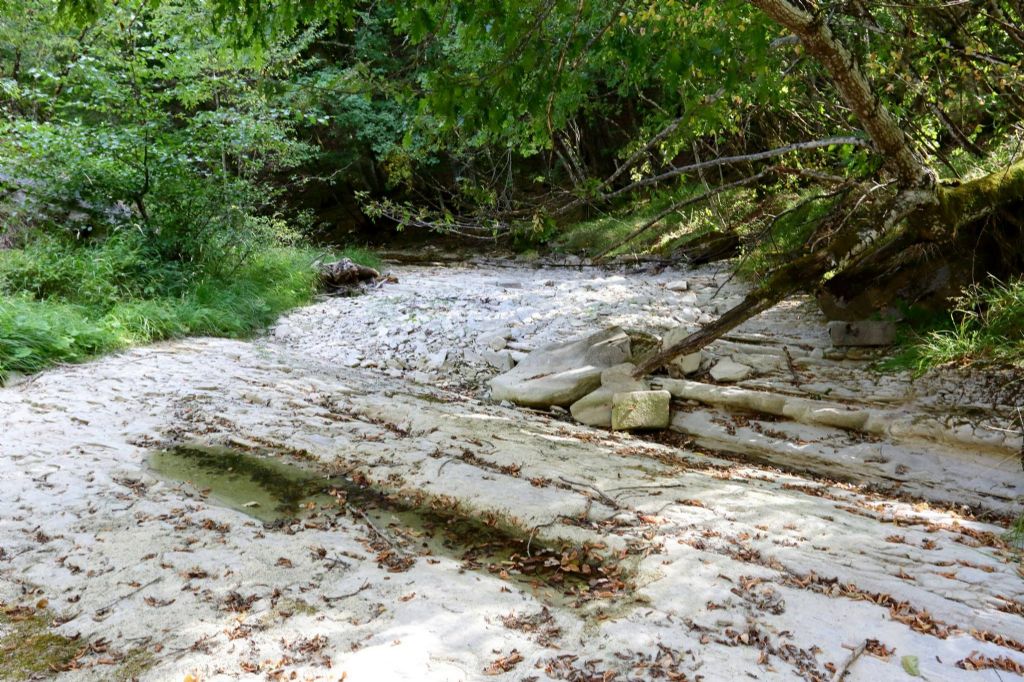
340	500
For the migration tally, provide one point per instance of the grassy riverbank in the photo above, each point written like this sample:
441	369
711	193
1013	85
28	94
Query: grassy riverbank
61	303
985	326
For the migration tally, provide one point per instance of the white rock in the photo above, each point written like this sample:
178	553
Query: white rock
678	285
494	340
563	373
501	360
729	370
640	410
688	314
437	360
595	408
687	364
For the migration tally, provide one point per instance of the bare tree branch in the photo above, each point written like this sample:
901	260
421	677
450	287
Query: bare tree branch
741	158
855	90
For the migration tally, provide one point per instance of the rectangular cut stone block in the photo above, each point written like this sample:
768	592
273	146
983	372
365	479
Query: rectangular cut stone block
862	333
640	410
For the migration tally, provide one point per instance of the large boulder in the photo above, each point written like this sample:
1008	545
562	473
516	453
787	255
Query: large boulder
640	410
595	408
562	374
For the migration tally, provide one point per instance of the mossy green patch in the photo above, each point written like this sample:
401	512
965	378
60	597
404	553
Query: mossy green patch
29	647
597	234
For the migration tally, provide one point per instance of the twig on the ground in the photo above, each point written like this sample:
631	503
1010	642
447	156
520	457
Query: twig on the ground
377	531
792	366
102	611
364	586
601	496
854	655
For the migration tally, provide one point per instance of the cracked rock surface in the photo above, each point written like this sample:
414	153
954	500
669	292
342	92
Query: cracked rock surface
731	567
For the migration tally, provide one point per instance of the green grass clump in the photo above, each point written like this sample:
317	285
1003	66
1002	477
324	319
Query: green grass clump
67	303
1015	533
986	326
595	235
774	242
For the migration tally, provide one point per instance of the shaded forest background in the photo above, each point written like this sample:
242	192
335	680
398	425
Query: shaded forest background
175	167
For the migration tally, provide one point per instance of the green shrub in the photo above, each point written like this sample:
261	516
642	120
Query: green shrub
52	322
986	326
64	269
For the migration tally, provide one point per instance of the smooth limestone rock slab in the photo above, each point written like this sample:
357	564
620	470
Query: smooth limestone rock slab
640	410
729	371
891	423
595	408
561	374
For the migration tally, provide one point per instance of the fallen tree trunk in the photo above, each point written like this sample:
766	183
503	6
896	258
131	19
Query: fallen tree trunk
344	273
880	250
859	255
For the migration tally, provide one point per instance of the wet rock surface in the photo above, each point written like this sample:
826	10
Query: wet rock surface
687	553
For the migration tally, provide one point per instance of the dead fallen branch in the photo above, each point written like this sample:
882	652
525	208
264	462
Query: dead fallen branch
344	273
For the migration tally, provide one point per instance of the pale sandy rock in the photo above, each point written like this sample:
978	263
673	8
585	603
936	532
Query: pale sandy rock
562	374
728	371
686	364
117	558
495	341
595	408
501	360
640	410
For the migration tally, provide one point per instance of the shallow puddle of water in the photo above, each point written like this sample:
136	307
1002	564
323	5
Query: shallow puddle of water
277	493
265	488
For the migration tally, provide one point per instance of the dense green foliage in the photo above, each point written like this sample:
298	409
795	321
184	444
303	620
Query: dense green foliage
195	125
136	156
986	325
100	299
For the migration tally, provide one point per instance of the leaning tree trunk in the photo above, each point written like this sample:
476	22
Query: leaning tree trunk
864	238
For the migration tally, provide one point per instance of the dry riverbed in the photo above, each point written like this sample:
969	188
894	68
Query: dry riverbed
425	533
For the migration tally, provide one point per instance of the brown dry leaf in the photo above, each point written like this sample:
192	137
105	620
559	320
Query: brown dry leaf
504	663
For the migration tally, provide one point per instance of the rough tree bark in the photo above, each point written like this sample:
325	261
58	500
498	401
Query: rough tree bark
845	75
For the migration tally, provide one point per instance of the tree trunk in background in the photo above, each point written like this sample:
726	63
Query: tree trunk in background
925	240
